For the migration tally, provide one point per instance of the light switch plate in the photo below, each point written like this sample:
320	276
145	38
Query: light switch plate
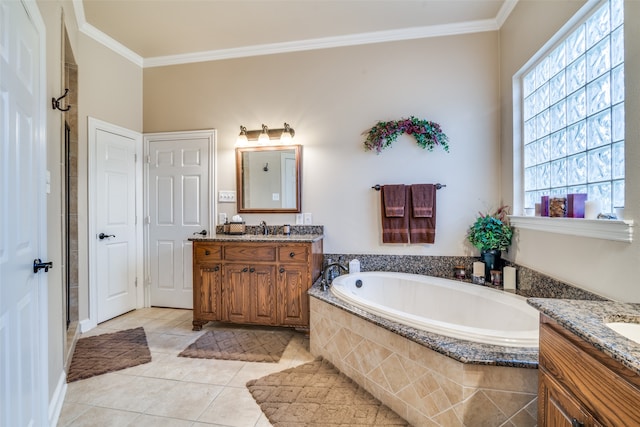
308	218
299	219
222	218
227	196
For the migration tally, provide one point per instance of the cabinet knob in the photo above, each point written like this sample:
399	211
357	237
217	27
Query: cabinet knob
217	268
207	252
281	269
244	270
251	270
292	254
576	423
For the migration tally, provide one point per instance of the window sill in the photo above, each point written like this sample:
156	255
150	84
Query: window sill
608	229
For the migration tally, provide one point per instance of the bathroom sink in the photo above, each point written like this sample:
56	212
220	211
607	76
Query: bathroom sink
628	330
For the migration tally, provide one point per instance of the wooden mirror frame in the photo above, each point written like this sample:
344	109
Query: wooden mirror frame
297	149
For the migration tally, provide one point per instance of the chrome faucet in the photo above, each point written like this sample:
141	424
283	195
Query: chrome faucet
265	229
327	277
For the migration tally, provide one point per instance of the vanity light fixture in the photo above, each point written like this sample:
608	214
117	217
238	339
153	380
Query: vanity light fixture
264	136
242	140
263	139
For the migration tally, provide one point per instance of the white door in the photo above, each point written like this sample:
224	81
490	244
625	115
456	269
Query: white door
23	293
114	220
179	182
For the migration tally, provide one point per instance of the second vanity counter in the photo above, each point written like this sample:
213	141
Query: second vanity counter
587	320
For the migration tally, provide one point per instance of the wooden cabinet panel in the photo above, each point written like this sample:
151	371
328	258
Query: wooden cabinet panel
293	301
293	253
251	252
558	408
254	282
207	252
237	293
263	299
579	382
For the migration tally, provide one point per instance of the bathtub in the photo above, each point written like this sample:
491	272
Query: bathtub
447	307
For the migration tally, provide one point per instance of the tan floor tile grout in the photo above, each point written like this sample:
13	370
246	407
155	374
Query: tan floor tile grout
91	402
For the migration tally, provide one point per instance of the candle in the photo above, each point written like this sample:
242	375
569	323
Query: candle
509	274
592	208
478	268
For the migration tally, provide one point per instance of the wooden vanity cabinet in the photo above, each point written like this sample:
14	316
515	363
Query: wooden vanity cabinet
581	386
262	283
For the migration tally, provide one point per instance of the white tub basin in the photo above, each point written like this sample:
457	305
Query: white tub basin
628	330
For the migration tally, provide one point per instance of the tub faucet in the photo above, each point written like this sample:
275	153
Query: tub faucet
327	277
265	229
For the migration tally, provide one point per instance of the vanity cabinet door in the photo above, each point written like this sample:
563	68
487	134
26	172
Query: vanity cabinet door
263	306
207	292
557	407
237	293
293	301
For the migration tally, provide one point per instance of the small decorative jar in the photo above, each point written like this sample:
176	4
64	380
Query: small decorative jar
459	272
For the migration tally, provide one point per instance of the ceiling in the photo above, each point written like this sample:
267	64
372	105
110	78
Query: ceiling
159	32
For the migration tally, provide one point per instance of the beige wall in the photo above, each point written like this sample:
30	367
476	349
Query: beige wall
605	267
111	90
331	97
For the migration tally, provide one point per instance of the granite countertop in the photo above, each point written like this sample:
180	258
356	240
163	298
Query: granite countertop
587	319
279	238
460	350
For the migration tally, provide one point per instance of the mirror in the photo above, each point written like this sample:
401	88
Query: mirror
268	179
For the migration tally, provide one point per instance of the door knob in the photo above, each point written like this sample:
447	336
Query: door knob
203	232
103	236
39	265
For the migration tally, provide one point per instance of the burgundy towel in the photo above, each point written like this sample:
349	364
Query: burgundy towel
394	199
395	229
422	197
422	229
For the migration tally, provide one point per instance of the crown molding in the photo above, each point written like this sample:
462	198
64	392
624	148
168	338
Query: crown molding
97	35
326	43
296	46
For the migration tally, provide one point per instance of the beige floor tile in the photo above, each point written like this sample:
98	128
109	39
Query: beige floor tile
184	400
233	407
103	417
71	411
144	420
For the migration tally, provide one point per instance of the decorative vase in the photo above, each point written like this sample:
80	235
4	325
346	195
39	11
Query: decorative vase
492	259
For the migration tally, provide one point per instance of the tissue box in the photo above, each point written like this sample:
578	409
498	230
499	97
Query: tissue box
575	205
236	227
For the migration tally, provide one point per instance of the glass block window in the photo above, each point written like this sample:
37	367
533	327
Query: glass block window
573	114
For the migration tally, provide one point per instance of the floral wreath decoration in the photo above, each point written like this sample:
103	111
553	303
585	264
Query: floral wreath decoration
428	134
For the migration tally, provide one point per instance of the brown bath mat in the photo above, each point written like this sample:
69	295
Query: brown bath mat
250	345
107	353
317	394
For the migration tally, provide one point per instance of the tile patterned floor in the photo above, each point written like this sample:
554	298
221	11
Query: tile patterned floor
172	391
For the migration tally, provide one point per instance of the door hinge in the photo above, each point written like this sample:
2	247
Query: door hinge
136	282
148	159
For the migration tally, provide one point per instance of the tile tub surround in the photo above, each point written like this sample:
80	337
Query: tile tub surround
425	386
530	282
587	319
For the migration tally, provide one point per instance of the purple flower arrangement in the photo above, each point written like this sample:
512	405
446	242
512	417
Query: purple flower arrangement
427	134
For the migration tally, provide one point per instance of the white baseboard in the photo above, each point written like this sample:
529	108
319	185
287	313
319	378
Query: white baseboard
87	325
57	400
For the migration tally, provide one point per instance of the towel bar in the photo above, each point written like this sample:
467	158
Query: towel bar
438	186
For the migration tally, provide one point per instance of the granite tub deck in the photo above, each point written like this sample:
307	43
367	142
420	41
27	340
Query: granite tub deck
587	319
428	379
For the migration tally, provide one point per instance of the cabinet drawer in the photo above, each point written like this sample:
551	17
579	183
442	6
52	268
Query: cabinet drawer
249	252
606	395
293	253
204	252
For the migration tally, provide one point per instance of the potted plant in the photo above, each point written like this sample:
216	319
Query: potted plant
491	234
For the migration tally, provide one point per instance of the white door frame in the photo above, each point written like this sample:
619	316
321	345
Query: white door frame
93	126
212	135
